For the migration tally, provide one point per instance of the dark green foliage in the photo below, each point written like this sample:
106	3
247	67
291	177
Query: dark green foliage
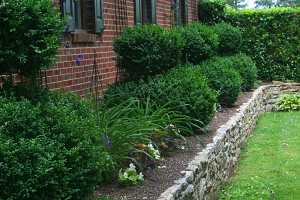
50	150
272	40
247	69
230	38
182	90
223	78
29	35
211	11
148	50
200	42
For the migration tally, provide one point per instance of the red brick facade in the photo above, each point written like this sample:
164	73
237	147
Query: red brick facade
75	62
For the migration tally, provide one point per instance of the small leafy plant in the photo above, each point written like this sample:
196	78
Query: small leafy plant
288	102
154	153
130	176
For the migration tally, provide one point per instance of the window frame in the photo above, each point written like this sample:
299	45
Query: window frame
138	12
74	15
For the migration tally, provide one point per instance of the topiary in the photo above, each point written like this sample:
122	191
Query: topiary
211	11
29	35
223	78
230	38
247	69
147	50
200	42
182	89
50	150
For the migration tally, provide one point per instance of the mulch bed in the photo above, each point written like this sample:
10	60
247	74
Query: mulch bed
169	170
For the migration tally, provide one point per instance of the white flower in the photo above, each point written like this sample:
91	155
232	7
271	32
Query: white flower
172	126
125	175
141	176
132	166
156	154
150	146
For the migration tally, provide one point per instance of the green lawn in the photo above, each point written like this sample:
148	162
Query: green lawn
270	162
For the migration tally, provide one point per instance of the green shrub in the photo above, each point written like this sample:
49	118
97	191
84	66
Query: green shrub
288	102
230	38
247	69
29	35
211	11
147	50
182	90
271	39
200	42
223	78
50	151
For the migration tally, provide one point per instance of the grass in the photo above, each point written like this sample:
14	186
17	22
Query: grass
270	162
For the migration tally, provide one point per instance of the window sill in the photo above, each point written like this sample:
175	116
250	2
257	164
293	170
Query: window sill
83	37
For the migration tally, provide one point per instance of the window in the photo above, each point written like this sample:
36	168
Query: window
179	13
84	15
145	12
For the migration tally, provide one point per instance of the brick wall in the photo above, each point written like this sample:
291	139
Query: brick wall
75	62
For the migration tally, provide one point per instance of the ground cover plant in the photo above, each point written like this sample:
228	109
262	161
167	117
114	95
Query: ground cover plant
268	166
288	102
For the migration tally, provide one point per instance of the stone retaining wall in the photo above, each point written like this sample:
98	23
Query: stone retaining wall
216	163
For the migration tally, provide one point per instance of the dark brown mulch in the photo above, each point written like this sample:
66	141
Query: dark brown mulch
169	170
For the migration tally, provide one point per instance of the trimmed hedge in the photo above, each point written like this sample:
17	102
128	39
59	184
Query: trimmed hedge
50	150
148	50
182	90
200	42
272	40
211	11
223	78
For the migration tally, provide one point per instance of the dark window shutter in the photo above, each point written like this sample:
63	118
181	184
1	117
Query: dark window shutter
186	11
153	11
99	20
177	11
68	13
138	10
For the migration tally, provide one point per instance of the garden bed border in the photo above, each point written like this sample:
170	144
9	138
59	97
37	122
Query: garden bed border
216	163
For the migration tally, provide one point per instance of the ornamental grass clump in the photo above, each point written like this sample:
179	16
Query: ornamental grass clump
182	90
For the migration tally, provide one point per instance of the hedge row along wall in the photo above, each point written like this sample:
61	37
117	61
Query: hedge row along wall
272	39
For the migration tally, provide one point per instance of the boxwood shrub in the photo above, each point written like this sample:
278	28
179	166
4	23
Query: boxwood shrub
147	50
230	38
223	78
182	89
247	69
29	35
51	150
200	42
